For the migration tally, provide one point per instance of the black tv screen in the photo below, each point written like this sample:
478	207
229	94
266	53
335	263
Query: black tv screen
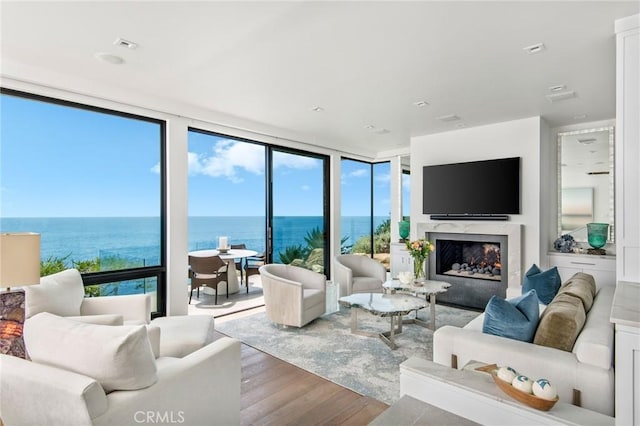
477	187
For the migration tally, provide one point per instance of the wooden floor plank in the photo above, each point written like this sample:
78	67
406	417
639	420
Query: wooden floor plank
274	392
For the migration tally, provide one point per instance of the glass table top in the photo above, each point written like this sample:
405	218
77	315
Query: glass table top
384	304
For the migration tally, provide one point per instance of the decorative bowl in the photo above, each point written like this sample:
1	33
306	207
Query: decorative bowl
405	277
525	398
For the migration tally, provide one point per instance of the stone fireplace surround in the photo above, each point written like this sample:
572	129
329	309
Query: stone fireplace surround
513	232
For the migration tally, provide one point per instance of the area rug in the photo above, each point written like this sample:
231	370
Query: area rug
327	348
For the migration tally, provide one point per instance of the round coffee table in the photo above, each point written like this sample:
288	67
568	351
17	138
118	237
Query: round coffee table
429	288
394	306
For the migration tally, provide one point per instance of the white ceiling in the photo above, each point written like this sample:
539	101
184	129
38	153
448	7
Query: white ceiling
264	65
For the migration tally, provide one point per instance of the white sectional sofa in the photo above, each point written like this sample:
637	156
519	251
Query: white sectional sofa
584	376
84	374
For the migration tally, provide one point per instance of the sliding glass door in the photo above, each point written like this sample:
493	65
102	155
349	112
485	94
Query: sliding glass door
270	199
226	192
299	209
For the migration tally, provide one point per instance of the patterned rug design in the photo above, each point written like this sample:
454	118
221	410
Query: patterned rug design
327	348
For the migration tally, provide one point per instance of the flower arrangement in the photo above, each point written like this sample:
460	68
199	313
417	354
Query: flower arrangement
419	250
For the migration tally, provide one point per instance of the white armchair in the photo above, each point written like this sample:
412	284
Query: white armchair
292	295
359	274
63	294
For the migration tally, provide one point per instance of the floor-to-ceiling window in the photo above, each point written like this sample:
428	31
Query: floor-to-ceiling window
299	209
91	182
365	207
381	211
356	207
406	195
271	199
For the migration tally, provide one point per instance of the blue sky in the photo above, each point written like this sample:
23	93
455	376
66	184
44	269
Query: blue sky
58	161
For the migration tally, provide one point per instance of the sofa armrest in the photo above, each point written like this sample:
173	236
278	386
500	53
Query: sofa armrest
134	308
201	388
562	368
38	394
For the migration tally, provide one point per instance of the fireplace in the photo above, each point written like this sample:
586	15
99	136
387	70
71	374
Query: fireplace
476	265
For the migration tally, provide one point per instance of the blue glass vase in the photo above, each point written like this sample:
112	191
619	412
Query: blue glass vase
597	234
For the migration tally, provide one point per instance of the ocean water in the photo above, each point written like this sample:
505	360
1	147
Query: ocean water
137	238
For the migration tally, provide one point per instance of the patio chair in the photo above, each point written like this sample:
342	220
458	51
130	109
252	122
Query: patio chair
252	266
207	271
239	262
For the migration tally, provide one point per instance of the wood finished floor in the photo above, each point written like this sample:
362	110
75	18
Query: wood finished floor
274	392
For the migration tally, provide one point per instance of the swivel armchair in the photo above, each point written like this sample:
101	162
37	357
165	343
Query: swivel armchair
292	295
359	274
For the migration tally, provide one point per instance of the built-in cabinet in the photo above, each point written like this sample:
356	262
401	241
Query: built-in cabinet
625	313
603	268
627	168
400	259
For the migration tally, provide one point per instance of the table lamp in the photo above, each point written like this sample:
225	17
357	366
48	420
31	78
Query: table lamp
19	267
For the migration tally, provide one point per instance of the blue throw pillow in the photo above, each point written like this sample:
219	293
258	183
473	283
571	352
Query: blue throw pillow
513	318
546	283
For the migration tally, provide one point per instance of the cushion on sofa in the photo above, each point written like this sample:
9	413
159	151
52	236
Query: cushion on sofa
59	294
545	283
594	345
117	357
561	323
582	286
513	318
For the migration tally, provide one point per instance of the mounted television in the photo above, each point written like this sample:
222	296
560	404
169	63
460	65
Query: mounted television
490	187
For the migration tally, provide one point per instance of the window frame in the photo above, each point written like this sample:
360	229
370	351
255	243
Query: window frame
159	271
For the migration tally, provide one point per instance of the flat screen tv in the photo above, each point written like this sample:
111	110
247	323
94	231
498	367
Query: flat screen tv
490	187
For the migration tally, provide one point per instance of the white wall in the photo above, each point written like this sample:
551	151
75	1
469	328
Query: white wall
524	138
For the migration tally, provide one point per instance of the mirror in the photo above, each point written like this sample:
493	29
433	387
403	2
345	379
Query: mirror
585	181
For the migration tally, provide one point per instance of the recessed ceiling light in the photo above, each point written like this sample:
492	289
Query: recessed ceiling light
557	88
109	58
579	116
450	117
125	43
534	48
421	104
561	96
369	127
317	109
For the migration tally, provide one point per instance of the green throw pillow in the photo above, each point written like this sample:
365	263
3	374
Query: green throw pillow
513	318
545	283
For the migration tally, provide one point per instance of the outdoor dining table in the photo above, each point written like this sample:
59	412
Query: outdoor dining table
230	255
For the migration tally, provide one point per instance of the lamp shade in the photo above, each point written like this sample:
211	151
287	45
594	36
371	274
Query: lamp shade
19	259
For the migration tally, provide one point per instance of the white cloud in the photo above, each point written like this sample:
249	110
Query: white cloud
382	177
292	161
358	173
305	187
228	156
155	169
